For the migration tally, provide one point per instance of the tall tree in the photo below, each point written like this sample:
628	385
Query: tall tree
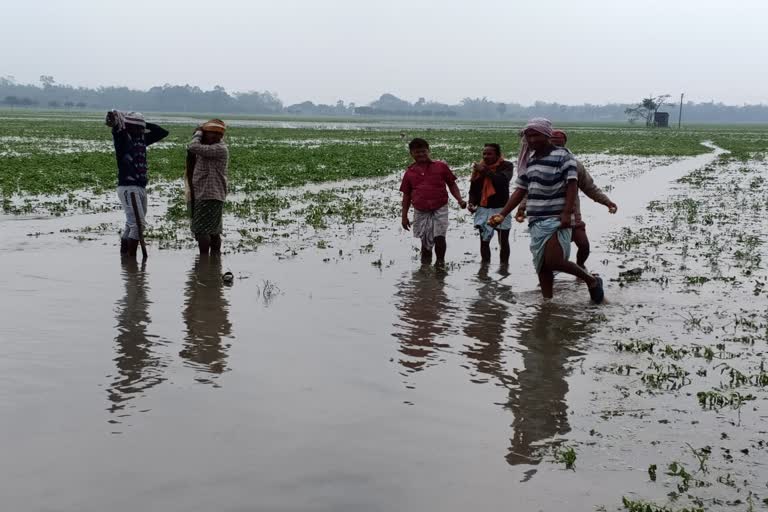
646	109
47	81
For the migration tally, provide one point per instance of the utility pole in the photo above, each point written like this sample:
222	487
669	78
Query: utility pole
680	116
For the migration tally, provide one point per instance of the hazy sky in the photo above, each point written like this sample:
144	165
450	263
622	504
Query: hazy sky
509	50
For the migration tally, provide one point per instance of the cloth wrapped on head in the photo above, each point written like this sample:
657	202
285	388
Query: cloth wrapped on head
537	124
559	134
214	125
121	119
135	118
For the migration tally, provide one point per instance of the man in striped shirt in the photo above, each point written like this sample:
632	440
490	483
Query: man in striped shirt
591	190
547	177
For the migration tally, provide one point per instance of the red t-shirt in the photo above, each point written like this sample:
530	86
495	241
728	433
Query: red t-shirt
427	184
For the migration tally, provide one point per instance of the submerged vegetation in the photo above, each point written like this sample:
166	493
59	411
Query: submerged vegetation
680	357
700	351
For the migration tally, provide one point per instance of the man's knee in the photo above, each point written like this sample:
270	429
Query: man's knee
582	252
580	238
581	242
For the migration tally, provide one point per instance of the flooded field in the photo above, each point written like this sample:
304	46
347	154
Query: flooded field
337	373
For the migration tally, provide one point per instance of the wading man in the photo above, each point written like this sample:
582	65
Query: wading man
488	193
425	185
547	177
131	135
207	161
587	185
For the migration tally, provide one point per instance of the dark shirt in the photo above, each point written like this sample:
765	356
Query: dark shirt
131	154
500	179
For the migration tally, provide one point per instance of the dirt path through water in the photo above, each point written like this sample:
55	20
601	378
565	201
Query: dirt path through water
346	377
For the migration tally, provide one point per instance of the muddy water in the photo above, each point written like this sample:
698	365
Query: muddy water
344	378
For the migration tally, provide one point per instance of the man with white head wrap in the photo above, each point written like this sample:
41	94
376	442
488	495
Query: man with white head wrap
547	177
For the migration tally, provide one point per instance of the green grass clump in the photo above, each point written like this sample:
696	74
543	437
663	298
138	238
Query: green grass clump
565	455
644	506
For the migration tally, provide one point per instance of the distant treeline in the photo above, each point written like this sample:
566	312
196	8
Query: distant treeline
187	98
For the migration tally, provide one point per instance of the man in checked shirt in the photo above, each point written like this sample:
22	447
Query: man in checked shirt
207	161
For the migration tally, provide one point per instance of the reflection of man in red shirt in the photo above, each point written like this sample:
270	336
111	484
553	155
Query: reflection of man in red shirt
424	185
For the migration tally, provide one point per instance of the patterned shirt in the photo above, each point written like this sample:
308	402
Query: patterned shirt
427	184
586	185
209	179
546	180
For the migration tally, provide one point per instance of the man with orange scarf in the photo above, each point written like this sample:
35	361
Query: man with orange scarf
488	193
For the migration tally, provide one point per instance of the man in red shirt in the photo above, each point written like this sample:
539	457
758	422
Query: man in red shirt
424	186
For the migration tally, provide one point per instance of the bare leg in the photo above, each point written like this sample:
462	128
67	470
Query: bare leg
204	243
554	260
485	251
503	245
582	243
440	248
215	244
133	246
426	254
546	281
125	240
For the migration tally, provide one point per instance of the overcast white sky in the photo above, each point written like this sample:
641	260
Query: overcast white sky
573	51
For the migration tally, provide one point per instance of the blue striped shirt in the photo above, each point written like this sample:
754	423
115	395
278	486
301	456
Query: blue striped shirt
546	180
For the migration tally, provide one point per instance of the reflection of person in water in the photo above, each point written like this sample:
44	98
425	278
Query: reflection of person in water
486	318
206	317
422	304
139	368
549	338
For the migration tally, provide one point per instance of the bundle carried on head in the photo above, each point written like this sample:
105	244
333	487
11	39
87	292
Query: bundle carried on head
121	119
214	125
537	124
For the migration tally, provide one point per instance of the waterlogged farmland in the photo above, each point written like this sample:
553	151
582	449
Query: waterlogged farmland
337	373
